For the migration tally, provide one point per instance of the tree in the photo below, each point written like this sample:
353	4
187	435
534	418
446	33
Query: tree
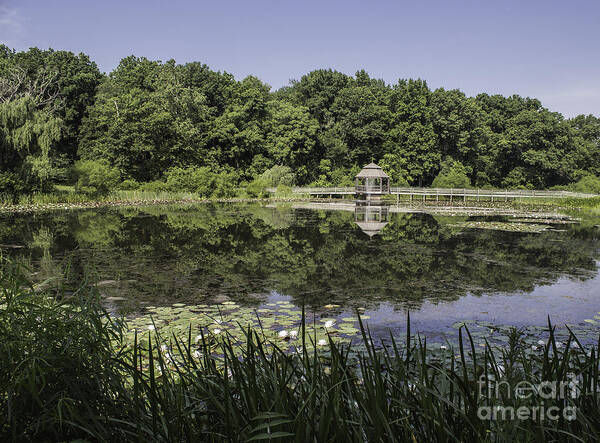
75	79
95	177
30	128
587	144
396	167
318	90
461	133
361	124
452	175
237	135
589	184
148	117
410	146
279	175
291	139
132	130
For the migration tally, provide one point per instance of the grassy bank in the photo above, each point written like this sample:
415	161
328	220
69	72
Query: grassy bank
49	202
67	372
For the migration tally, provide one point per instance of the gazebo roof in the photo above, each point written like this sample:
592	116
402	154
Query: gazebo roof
371	228
372	171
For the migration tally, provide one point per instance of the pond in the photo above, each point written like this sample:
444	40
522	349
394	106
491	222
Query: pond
239	261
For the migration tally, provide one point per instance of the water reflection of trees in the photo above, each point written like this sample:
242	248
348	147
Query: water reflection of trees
183	253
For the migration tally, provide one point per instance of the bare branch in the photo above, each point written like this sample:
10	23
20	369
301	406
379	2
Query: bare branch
43	89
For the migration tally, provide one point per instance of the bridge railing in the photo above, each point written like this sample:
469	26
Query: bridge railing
368	189
323	190
457	192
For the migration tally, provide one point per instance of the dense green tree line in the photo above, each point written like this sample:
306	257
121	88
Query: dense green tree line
148	120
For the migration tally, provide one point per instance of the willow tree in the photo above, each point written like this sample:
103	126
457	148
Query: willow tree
29	129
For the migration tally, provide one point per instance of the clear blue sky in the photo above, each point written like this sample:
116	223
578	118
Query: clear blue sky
546	49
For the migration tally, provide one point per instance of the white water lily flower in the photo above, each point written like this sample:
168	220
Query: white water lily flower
197	354
151	327
541	342
283	333
329	323
198	338
322	342
293	334
163	348
534	347
444	347
216	331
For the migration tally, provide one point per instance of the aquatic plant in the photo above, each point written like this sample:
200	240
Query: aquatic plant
67	371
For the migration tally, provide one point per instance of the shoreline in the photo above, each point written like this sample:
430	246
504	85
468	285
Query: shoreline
456	208
96	204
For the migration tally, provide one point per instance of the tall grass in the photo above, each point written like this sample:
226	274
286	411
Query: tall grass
66	373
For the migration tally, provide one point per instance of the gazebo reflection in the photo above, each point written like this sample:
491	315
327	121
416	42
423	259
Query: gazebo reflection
371	218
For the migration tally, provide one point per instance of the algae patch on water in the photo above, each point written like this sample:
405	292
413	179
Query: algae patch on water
502	226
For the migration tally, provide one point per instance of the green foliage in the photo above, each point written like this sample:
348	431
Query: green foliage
170	388
11	184
278	175
452	175
154	186
54	360
29	133
588	184
147	117
201	181
292	138
128	185
395	167
69	80
95	177
257	188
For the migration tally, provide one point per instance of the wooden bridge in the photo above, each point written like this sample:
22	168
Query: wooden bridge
451	194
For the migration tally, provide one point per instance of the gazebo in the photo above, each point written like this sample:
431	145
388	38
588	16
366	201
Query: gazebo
371	182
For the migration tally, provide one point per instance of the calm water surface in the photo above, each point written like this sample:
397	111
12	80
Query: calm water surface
256	255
